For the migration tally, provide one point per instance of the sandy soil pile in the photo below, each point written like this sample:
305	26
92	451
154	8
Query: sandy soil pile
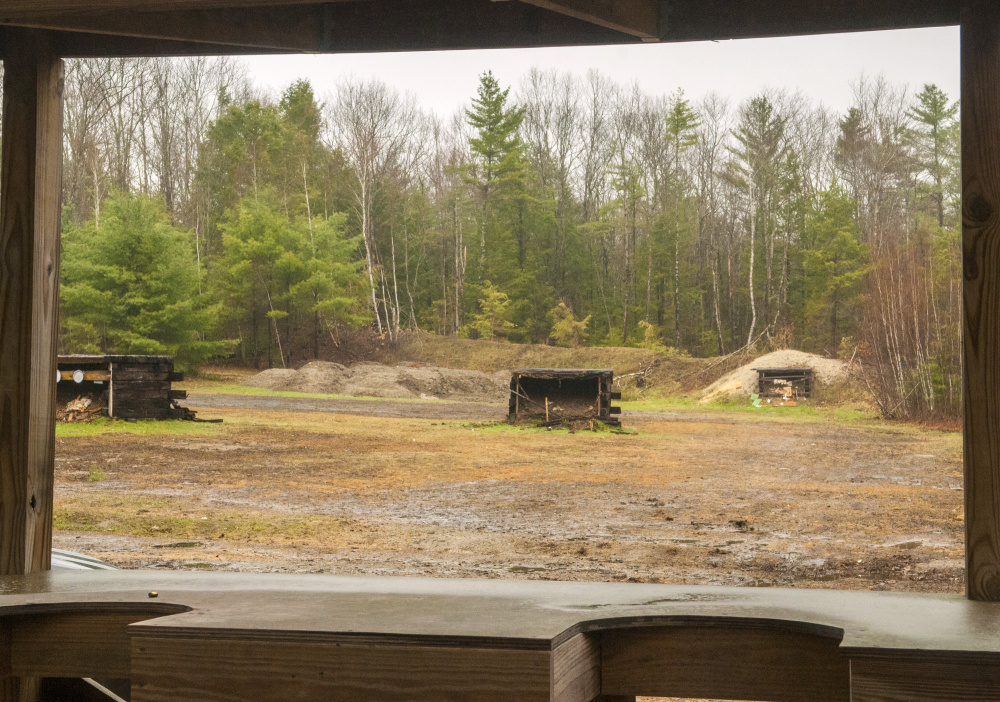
406	380
742	382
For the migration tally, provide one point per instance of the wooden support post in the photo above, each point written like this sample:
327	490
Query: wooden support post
30	175
981	253
30	185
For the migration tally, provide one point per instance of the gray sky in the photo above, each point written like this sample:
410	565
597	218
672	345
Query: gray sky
823	67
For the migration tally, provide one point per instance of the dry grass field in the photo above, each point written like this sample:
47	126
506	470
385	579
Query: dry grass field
804	498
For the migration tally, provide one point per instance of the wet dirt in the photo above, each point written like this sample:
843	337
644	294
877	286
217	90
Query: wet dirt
415	488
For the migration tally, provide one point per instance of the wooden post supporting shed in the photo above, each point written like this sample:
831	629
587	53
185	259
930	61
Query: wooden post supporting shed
576	644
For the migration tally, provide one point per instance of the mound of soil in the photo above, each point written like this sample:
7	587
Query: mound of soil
742	382
405	380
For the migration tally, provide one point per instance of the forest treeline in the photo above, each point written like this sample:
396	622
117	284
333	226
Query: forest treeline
204	217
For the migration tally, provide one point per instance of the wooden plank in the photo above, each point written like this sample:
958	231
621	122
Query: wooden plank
140	387
981	290
66	376
702	20
30	185
296	27
381	25
739	662
639	18
576	669
926	680
73	644
237	669
13	8
157	375
369	25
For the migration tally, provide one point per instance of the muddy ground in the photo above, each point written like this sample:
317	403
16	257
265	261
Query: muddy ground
386	487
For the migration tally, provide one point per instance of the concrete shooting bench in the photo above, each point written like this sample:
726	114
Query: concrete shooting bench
234	637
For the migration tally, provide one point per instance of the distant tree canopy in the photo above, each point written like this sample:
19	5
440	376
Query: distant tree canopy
654	221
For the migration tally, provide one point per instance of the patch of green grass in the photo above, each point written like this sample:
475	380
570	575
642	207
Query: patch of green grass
96	474
103	426
142	515
804	412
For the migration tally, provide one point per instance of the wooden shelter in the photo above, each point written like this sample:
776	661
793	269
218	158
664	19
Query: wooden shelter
777	382
563	395
130	387
213	637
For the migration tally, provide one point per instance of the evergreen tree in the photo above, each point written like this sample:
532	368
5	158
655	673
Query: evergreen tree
131	287
567	330
834	263
681	135
935	137
497	150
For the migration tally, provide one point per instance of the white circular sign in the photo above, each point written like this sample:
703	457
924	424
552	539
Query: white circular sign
78	376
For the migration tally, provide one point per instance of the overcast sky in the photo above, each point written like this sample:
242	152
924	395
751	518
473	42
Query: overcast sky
823	67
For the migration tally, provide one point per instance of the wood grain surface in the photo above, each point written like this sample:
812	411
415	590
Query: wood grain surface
236	670
981	270
30	186
576	669
737	662
71	645
889	680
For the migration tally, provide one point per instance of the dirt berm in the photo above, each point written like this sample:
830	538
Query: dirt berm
743	381
404	380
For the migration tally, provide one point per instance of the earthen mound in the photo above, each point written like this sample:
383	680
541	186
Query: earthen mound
742	382
405	380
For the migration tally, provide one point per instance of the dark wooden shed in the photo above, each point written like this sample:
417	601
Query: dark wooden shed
217	636
560	395
134	387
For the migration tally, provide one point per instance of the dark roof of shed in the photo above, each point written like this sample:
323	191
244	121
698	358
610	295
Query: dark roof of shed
110	358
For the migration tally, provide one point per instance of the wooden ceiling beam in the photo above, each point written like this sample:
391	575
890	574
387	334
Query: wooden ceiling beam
409	25
701	20
638	18
342	27
31	8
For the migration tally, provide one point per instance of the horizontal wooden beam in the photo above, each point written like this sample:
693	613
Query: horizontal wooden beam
702	20
29	8
369	25
408	25
639	18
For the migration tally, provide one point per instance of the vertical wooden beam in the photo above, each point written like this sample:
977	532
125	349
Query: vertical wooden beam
981	285
30	185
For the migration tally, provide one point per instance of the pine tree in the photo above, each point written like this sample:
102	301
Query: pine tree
681	135
935	136
834	263
131	287
497	149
